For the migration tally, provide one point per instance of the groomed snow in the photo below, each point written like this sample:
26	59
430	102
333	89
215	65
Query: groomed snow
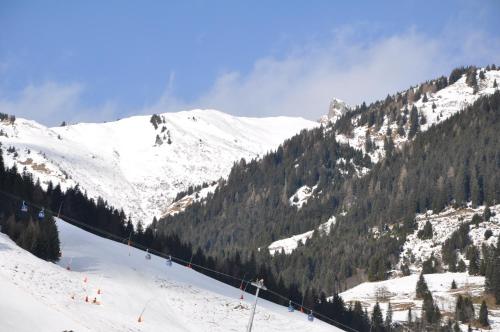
37	295
122	161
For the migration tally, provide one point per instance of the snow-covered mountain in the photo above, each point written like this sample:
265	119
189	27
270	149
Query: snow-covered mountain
140	163
435	105
41	296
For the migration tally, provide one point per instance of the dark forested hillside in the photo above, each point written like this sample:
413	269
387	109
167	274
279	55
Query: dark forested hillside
252	209
451	163
33	232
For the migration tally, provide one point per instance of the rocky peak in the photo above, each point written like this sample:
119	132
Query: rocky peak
335	111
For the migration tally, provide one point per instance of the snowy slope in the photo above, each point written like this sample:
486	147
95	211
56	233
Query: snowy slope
401	293
301	196
138	167
181	204
289	244
418	250
37	295
447	102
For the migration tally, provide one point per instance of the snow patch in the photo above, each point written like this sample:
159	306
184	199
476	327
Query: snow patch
181	204
301	196
288	245
443	225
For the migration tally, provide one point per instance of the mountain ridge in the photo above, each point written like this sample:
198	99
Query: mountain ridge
137	163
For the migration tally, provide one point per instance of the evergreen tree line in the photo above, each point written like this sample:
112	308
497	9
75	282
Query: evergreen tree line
36	234
490	268
7	117
258	192
452	163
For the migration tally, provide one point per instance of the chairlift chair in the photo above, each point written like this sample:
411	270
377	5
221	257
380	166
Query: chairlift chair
24	207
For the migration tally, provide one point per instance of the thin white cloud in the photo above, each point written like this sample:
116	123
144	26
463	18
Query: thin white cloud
51	103
300	84
304	83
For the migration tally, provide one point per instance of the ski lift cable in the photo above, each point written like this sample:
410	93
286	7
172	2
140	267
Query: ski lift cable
310	310
173	258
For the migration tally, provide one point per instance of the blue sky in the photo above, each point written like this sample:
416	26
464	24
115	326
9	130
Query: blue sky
102	60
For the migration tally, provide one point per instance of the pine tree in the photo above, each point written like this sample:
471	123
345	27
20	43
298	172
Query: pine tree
464	309
453	284
473	257
456	327
429	310
483	315
437	314
469	309
459	309
377	319
487	213
362	323
476	219
421	288
492	275
414	123
430	265
426	232
461	267
388	317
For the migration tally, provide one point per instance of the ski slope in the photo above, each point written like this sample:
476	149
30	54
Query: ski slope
140	167
37	295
